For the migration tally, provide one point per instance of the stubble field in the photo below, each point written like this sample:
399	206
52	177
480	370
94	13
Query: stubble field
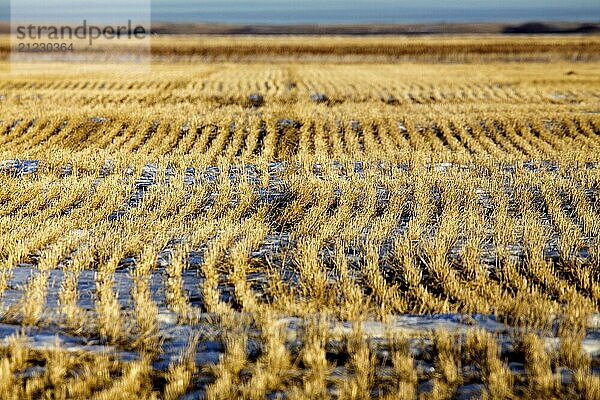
304	224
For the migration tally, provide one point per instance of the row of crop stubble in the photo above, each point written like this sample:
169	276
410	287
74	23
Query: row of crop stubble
218	137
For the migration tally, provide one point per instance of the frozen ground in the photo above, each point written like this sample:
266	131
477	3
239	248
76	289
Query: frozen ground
175	335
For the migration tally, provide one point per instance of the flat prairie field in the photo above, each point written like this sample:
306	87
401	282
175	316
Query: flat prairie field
354	218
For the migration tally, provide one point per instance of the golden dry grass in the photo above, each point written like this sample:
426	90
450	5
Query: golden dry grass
168	217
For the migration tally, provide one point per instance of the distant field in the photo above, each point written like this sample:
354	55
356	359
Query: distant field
333	224
383	48
470	48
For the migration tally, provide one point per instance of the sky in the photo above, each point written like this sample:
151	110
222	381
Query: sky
326	11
